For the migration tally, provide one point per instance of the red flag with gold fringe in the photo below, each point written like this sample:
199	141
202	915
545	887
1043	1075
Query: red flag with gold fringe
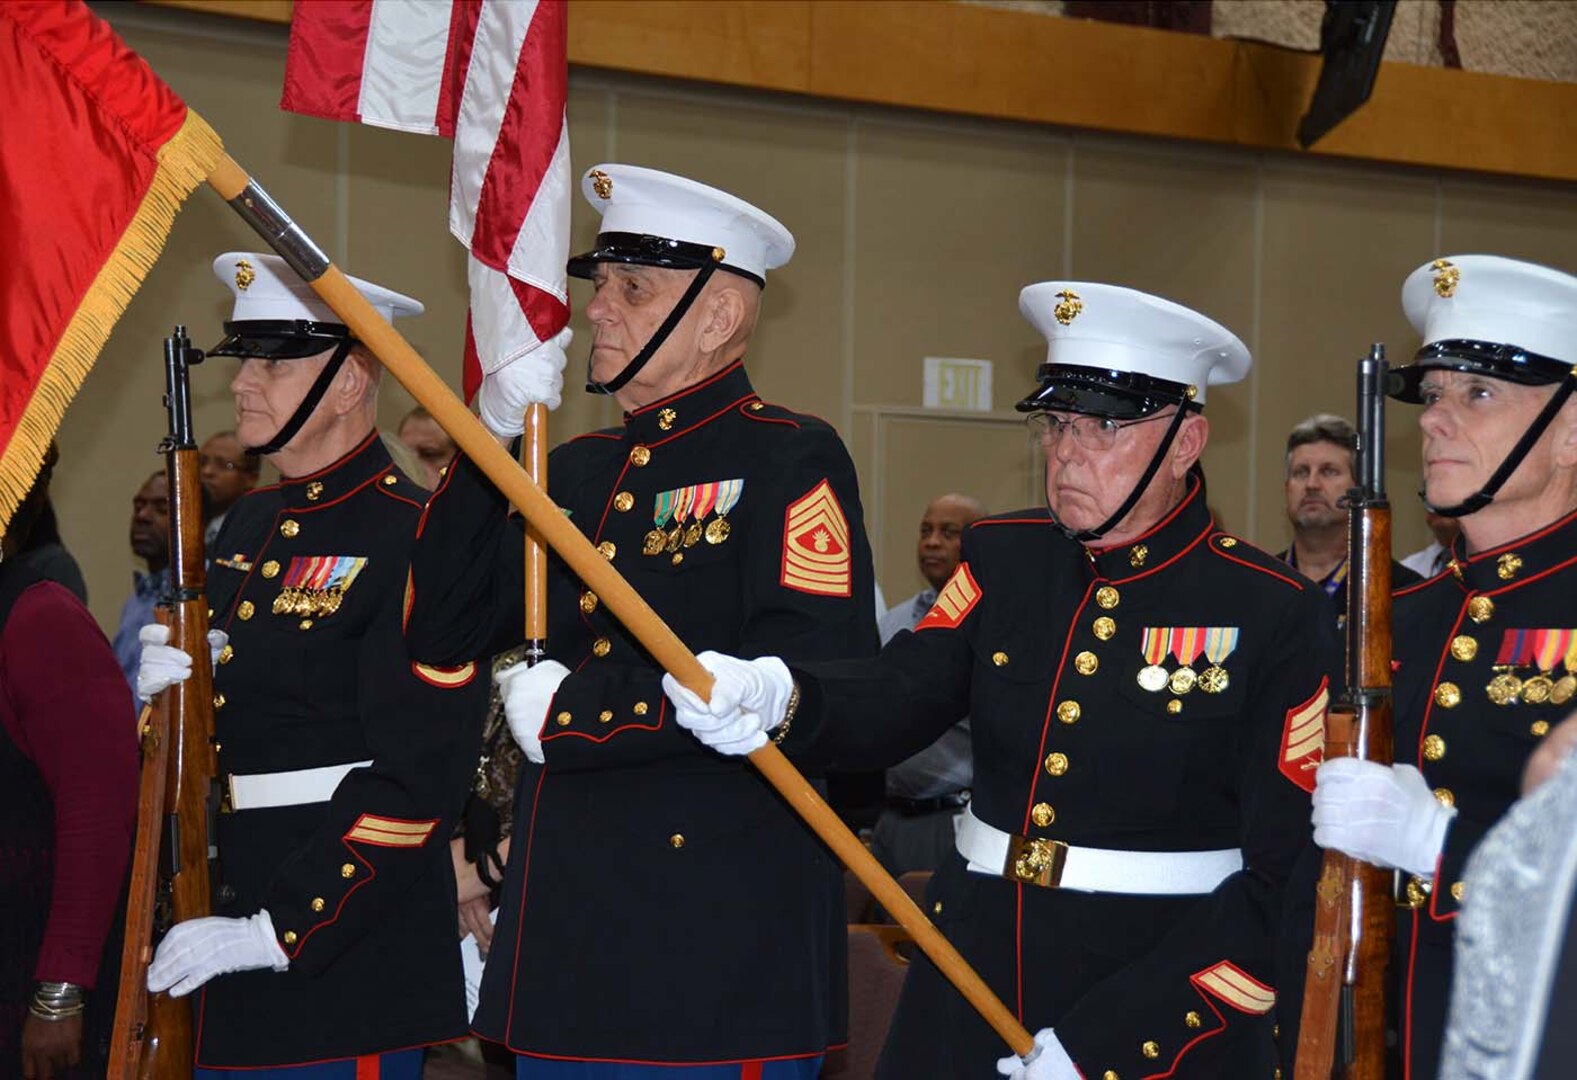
96	158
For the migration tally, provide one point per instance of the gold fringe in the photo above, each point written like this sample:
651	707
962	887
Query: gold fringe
185	161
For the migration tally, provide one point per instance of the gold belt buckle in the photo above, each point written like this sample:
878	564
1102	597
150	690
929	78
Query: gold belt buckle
1035	862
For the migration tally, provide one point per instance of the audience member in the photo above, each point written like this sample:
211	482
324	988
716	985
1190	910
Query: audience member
150	542
228	472
430	443
1432	560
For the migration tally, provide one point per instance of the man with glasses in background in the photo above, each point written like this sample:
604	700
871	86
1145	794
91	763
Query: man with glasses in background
1146	696
227	473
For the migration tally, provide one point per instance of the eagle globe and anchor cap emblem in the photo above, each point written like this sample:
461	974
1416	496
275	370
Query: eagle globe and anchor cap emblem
244	274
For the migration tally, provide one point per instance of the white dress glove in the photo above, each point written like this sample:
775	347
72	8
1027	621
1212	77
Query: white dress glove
196	950
749	698
1383	814
535	378
527	692
1048	1061
161	665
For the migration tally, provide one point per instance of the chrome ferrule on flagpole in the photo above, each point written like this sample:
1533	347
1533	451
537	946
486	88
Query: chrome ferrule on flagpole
259	210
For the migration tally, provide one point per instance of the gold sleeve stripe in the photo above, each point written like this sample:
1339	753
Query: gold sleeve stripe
445	677
390	832
1237	988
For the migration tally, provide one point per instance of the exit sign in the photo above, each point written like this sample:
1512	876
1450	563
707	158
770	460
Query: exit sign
954	383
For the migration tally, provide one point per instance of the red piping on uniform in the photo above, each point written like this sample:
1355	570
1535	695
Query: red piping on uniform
746	1062
1531	578
1193	490
1407	1007
1011	521
1195	1041
520	921
339	907
705	420
617	480
287	481
1262	569
1522	541
327	1061
684	392
1158	567
1429	704
612	731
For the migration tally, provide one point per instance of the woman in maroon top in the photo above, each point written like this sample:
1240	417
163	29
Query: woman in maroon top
68	803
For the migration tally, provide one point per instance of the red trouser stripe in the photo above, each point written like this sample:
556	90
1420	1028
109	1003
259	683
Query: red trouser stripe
750	1070
367	1067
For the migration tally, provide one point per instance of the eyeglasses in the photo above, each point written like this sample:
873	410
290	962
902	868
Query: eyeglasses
1090	432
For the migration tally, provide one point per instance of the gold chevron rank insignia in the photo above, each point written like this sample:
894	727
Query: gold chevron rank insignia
956	600
445	678
1303	738
1231	984
390	832
816	556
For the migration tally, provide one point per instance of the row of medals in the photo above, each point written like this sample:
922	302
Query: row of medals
658	541
315	603
1212	680
1507	689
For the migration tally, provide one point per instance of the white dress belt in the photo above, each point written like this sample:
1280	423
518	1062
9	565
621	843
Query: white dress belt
1054	864
258	791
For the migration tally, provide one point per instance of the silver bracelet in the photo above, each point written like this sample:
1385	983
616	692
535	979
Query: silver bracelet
56	1000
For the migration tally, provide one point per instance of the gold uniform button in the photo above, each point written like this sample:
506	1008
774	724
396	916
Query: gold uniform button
604	716
1042	814
602	646
1458	891
676	841
1464	648
1104	627
1540	728
1086	663
1110	1074
1191	1019
1445	797
1107	597
1434	748
936	908
1480	609
623	502
348	870
306	624
1229	542
1056	763
607	549
1150	1049
678	558
226	654
1000	659
563	719
1174	706
1068	712
756	406
245	610
289	937
639	709
588	602
390	480
314	491
317	903
289	528
271	569
639	456
1448	695
219	701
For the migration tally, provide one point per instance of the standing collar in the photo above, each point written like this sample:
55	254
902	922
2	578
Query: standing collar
334	482
1180	529
691	407
1511	564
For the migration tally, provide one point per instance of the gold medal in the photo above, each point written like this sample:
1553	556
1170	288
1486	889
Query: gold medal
655	540
1213	679
1182	680
1562	691
675	538
1504	688
1153	678
717	530
692	535
1537	690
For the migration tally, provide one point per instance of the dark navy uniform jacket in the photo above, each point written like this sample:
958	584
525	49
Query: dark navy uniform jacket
1485	654
1041	642
307	578
662	903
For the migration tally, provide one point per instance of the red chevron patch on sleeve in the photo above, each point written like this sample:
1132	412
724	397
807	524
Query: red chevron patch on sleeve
816	554
1303	738
956	600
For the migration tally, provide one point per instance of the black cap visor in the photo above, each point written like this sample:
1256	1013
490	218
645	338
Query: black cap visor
644	250
1119	395
1495	361
280	339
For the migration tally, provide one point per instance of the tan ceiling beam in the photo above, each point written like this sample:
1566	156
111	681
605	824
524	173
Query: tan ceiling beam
984	61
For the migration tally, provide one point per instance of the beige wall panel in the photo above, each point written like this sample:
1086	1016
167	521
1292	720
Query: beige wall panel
1337	243
1522	220
921	457
951	221
788	160
1179	223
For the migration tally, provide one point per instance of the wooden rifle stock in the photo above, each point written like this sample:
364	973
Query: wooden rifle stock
1342	1032
153	1035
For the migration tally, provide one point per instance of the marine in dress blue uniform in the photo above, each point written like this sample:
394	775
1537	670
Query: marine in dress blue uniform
1486	651
1146	694
664	910
342	763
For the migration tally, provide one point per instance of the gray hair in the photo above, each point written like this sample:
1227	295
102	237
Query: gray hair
1321	427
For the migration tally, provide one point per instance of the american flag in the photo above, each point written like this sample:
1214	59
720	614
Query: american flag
492	76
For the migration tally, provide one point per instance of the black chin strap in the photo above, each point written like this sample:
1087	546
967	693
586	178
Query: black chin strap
1486	494
320	386
634	366
1121	512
